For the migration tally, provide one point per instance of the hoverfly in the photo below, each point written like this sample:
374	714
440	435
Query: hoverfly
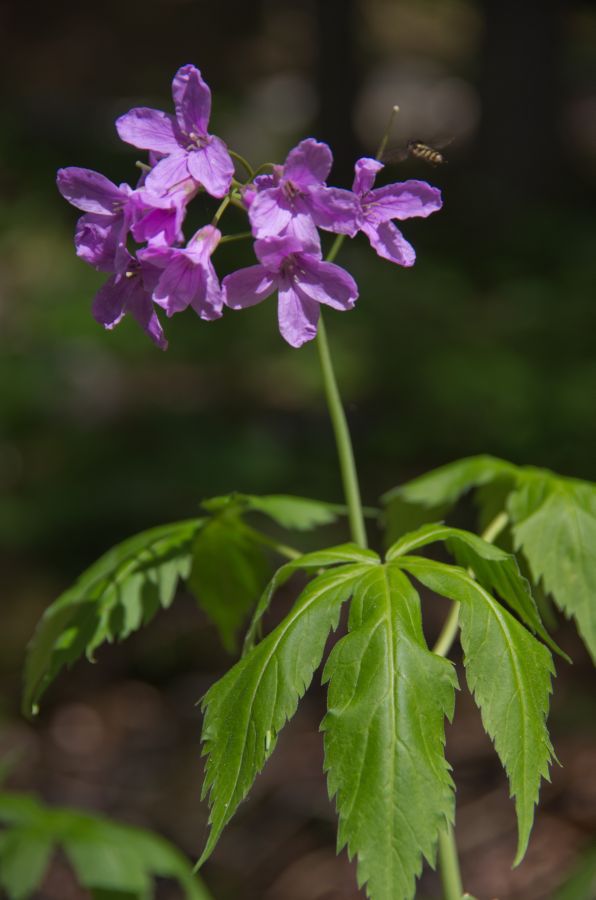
417	150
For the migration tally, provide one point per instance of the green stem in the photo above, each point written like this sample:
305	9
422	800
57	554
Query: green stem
449	866
342	434
221	209
448	862
240	236
243	162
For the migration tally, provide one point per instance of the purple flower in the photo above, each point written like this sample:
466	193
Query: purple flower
189	151
302	279
111	211
129	291
378	207
188	277
296	197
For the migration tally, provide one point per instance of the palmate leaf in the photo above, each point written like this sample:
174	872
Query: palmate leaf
114	597
246	709
509	672
494	569
108	858
555	527
430	496
384	736
318	559
552	523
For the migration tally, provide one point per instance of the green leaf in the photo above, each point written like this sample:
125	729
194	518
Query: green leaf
108	858
582	882
293	513
384	736
495	569
318	559
24	856
229	572
431	495
246	709
115	596
509	672
555	527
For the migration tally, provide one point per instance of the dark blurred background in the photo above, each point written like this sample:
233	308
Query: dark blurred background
486	345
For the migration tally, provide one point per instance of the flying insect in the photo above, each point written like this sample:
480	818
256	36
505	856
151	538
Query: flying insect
417	150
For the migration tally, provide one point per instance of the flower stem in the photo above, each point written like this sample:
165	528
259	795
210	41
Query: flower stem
342	434
448	862
243	162
240	236
449	865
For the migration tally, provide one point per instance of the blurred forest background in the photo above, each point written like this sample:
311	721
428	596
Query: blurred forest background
485	346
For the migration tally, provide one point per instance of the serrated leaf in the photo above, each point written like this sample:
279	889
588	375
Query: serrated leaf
555	527
509	672
293	513
318	559
247	708
384	736
431	495
494	568
114	597
108	858
229	572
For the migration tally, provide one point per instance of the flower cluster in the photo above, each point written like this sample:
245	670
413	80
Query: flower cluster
135	234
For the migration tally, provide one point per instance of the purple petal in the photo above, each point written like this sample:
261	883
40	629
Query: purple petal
212	167
303	229
334	210
89	191
109	304
209	304
141	308
269	213
309	163
402	200
149	129
96	240
272	251
390	243
297	315
203	244
192	99
181	282
169	174
366	170
261	183
326	283
247	287
157	217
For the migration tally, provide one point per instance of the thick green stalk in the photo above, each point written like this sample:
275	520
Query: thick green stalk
343	441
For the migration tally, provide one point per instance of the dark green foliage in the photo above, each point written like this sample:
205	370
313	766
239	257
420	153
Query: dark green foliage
111	860
117	595
552	521
388	697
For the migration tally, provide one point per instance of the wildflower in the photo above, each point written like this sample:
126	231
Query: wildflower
189	151
129	291
187	277
297	197
402	200
302	279
111	211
